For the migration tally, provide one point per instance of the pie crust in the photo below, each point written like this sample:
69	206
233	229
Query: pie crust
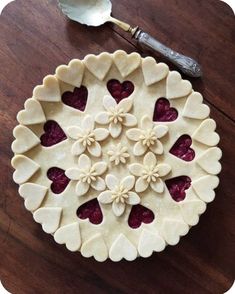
116	174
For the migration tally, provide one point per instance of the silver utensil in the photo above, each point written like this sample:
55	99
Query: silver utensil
98	12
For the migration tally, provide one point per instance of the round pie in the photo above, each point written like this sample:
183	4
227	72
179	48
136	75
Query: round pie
115	155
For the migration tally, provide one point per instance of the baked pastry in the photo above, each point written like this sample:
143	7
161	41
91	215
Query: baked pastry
116	156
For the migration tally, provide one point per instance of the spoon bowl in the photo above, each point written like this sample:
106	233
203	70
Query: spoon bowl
88	12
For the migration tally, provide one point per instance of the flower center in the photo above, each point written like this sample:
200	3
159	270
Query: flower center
116	115
120	194
150	173
87	176
87	138
148	137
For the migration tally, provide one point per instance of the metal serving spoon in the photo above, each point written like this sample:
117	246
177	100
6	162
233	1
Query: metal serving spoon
97	12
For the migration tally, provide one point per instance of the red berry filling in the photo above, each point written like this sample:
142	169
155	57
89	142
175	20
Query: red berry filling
163	111
76	99
91	210
119	90
140	214
178	186
58	178
53	134
182	149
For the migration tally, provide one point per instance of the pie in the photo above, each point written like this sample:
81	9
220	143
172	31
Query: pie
116	156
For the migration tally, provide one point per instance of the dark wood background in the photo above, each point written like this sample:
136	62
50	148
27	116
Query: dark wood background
34	39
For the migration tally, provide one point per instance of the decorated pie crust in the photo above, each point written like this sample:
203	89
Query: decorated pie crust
116	156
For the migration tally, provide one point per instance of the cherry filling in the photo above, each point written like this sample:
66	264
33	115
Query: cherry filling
119	90
140	214
178	186
58	178
92	211
53	134
182	149
76	99
163	111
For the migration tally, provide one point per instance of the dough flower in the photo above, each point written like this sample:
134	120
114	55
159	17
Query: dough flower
119	193
147	137
118	154
149	173
87	175
116	115
87	137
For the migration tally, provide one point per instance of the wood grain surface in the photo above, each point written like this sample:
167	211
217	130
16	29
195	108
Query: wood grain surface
34	39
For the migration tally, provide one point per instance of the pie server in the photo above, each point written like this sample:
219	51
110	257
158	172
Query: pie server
97	12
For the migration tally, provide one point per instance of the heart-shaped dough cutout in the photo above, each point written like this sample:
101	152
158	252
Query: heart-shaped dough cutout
49	91
24	168
176	87
25	139
182	148
204	187
126	63
206	134
140	214
72	73
70	236
32	114
150	242
91	210
209	160
172	230
49	218
153	72
122	248
33	195
95	247
191	210
163	112
98	65
194	108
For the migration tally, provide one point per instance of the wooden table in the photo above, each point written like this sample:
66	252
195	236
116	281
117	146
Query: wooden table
35	38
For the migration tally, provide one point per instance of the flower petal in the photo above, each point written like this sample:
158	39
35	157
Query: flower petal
139	149
160	131
118	208
99	184
73	132
105	197
163	169
141	185
157	186
128	182
81	188
111	181
157	148
146	122
125	104
94	149
136	169
101	134
115	129
77	148
100	167
73	173
84	162
102	118
133	198
129	120
88	123
134	134
150	159
109	102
